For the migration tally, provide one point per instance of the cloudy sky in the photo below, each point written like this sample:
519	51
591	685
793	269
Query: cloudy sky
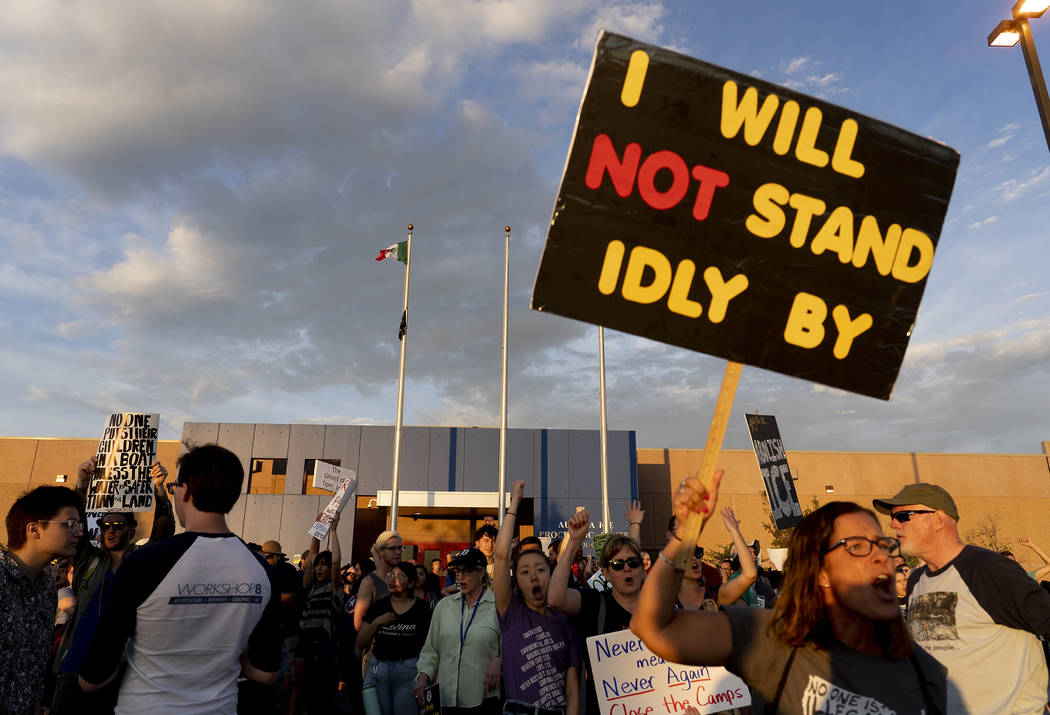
192	195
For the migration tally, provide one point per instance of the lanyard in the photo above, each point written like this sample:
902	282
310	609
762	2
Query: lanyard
474	611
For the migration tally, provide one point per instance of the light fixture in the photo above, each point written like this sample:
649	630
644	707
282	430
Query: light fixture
1005	34
829	488
61	478
1030	8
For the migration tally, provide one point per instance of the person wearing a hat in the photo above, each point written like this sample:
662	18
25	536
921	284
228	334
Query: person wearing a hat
974	610
462	649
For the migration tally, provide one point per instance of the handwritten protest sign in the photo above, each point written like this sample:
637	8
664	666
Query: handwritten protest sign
343	493
330	476
630	680
121	481
718	212
776	475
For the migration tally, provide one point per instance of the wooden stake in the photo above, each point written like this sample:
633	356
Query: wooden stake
690	530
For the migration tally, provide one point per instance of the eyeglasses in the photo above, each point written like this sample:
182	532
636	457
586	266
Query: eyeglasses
68	524
905	515
170	486
862	545
635	562
107	525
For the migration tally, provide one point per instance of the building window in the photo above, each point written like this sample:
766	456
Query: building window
308	475
267	475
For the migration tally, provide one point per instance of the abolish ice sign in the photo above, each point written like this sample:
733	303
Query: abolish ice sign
724	214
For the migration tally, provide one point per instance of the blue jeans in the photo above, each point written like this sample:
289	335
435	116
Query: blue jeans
393	681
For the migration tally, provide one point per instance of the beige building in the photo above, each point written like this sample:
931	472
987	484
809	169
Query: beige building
1004	495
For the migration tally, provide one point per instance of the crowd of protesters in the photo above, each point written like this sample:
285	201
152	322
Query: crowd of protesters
201	622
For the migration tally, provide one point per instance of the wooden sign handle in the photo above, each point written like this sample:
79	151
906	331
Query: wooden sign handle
690	530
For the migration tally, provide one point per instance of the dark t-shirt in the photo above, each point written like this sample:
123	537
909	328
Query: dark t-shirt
837	679
404	637
289	581
586	622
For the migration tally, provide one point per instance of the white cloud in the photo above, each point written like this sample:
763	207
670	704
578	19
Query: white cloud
796	64
985	222
1012	189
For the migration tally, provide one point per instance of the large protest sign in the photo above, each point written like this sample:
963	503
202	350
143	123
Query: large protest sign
715	211
121	481
343	493
630	680
330	476
776	475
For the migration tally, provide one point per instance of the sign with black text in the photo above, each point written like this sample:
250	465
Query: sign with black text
721	213
125	454
776	475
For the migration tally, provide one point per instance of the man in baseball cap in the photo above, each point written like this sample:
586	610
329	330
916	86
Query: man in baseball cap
974	610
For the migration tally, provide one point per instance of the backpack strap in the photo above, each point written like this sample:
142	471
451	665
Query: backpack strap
771	708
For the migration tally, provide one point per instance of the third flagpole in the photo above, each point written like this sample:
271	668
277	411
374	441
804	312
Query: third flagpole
400	386
603	431
503	390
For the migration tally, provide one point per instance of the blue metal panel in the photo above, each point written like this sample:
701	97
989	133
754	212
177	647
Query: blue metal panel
523	460
480	460
414	468
585	472
619	470
304	442
441	468
557	463
376	468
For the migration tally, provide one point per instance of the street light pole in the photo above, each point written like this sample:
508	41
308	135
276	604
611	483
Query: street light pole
1035	74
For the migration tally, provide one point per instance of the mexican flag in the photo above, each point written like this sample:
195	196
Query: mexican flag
398	251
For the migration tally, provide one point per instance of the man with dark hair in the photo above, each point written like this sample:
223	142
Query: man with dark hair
485	542
93	572
200	608
974	610
43	524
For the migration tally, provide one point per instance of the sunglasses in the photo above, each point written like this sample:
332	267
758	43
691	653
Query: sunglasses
107	525
635	562
170	486
905	515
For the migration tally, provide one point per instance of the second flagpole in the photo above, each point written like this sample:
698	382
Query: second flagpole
400	386
503	392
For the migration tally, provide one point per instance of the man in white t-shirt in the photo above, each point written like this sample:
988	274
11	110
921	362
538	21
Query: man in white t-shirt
199	608
974	610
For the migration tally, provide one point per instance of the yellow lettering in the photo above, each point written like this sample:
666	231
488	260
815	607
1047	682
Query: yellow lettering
805	326
721	292
611	267
768	199
910	239
786	127
807	207
641	258
835	235
848	329
870	240
806	149
746	113
841	161
678	301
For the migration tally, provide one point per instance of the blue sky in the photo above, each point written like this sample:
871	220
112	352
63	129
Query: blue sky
192	196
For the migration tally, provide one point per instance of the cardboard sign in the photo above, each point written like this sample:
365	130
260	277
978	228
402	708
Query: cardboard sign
431	701
712	210
347	489
330	476
629	679
125	454
776	475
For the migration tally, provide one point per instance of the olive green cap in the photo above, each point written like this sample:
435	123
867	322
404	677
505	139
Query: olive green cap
923	493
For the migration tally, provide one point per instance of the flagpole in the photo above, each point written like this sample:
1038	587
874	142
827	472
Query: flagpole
603	430
503	391
400	388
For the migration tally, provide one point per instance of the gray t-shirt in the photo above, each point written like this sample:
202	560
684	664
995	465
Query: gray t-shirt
835	680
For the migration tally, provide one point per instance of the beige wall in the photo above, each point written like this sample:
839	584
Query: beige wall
1013	487
28	462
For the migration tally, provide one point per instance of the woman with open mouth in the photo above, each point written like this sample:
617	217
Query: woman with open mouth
835	634
541	654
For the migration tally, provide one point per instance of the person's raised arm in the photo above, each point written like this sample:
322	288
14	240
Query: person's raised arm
163	518
85	470
337	556
735	589
687	637
1025	541
559	595
501	575
635	515
311	557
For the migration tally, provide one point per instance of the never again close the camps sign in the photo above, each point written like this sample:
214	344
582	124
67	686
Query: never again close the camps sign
712	210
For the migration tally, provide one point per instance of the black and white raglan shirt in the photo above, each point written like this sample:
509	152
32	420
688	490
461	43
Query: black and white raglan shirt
979	616
189	604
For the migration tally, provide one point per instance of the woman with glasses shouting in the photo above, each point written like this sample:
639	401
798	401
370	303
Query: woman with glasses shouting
834	636
597	612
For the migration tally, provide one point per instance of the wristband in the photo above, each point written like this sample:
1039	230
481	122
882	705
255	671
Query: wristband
669	562
635	523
